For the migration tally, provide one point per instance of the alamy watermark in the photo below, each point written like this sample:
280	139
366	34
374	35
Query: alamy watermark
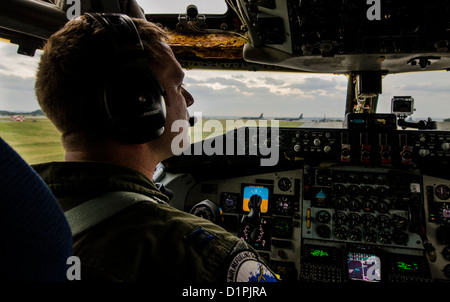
373	13
252	137
73	9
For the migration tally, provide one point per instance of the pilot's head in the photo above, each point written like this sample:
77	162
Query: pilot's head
70	84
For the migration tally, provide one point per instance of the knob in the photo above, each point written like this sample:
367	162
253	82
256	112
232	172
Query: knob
327	149
424	152
297	148
446	252
317	142
445	146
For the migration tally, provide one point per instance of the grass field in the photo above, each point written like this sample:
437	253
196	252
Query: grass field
38	141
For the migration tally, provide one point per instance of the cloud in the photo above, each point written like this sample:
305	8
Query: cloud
17	93
17	80
430	90
249	94
15	64
237	93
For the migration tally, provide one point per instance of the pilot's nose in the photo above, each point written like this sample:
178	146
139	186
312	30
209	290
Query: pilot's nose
188	98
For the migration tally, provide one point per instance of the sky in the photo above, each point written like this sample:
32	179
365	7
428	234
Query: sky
229	93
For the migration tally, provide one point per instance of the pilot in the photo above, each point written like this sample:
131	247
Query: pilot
82	86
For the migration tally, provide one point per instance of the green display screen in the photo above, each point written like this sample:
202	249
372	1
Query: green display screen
319	253
411	266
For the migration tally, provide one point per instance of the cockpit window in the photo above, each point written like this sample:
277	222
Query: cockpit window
215	7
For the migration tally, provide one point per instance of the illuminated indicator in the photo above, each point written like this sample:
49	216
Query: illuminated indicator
319	253
263	192
407	266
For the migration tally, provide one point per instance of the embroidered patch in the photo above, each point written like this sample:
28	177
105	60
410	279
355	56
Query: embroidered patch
245	267
200	239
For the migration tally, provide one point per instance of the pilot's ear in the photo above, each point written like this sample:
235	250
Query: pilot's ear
131	8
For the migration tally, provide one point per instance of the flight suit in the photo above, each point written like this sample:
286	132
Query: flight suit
148	241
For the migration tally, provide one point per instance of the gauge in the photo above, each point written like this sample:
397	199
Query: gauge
354	204
367	191
382	192
323	216
444	213
282	228
323	231
353	190
229	202
383	206
368	220
354	219
355	234
367	205
340	218
447	271
370	235
399	222
400	238
339	189
446	252
384	236
442	192
383	221
284	184
340	203
283	205
340	232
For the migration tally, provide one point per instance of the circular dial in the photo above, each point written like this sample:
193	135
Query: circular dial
340	203
368	220
384	236
283	205
340	218
323	231
383	206
442	192
284	184
229	202
323	216
444	213
446	252
340	232
368	205
354	204
383	222
354	219
355	234
447	271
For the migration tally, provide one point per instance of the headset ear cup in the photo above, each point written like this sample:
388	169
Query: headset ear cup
135	105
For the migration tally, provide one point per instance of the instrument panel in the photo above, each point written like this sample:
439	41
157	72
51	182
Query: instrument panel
371	146
276	231
342	205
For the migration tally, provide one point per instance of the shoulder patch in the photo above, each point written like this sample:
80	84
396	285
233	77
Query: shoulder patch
200	239
245	267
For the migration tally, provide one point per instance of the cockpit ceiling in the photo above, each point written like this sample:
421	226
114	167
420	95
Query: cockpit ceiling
342	36
207	46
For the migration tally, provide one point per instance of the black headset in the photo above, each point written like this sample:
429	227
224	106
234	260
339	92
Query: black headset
132	97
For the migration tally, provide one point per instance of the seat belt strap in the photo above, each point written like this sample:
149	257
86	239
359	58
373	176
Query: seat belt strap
98	209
